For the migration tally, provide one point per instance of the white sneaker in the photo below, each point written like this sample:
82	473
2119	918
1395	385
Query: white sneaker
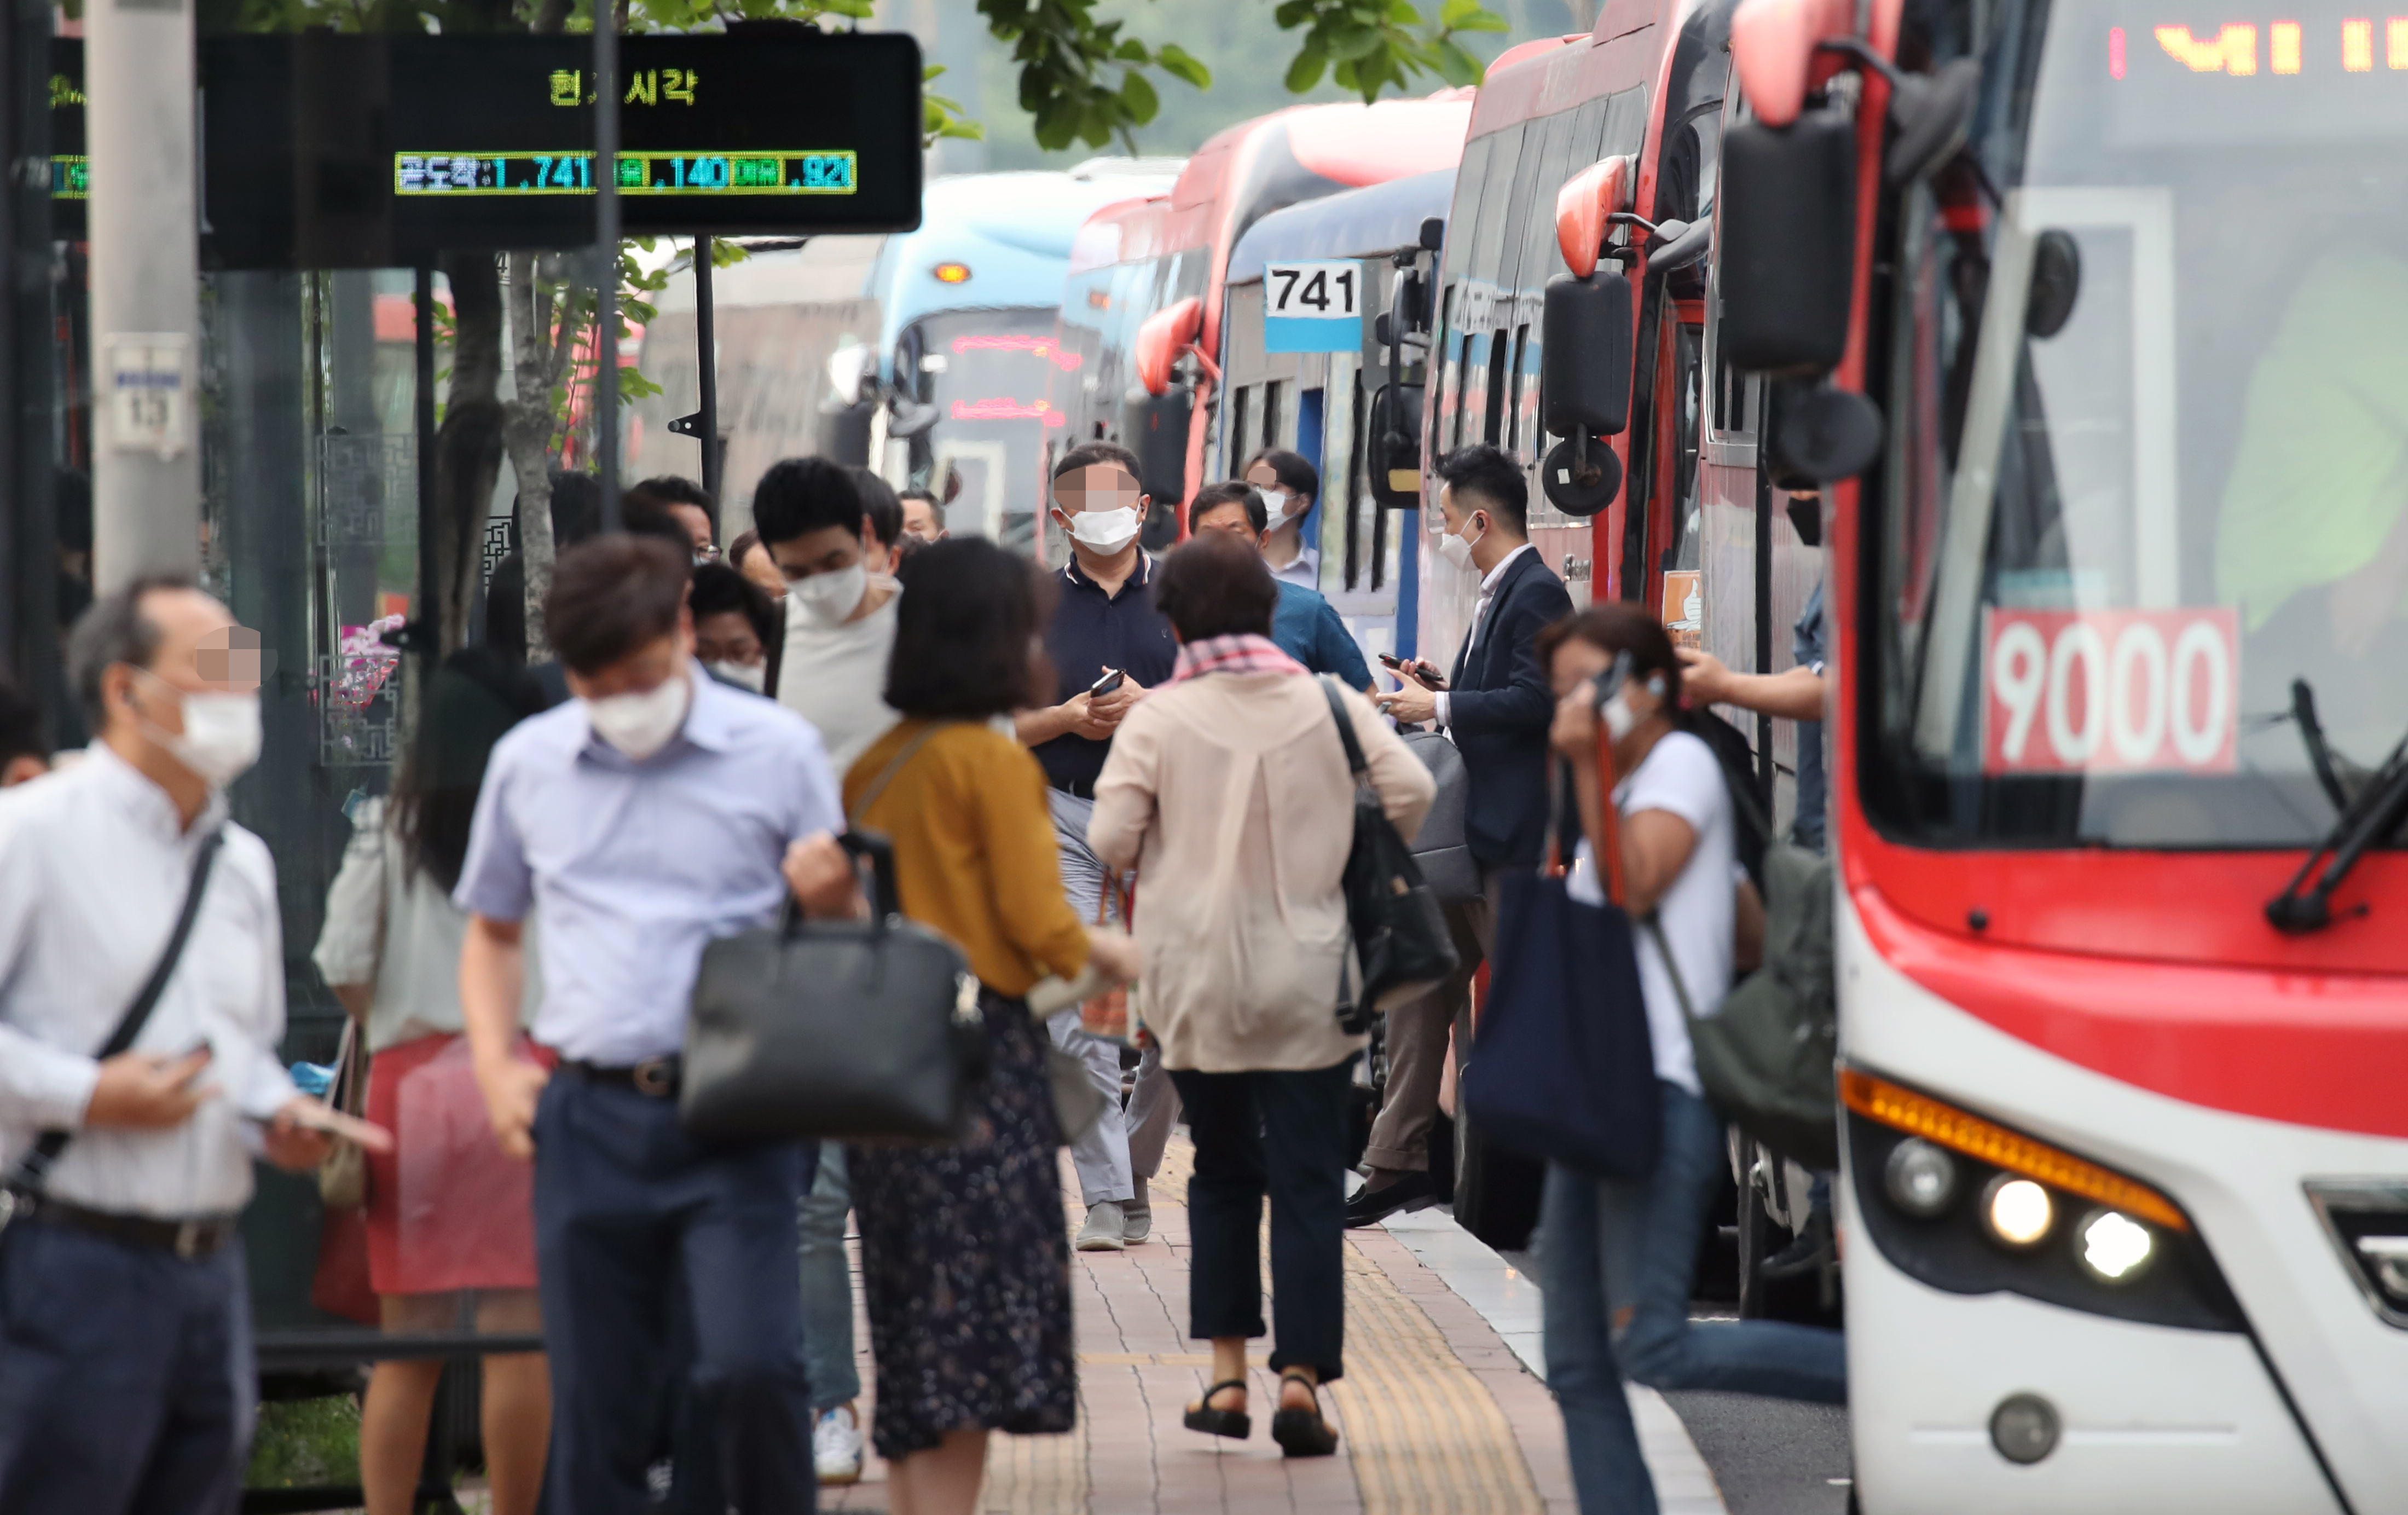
1106	1230
835	1445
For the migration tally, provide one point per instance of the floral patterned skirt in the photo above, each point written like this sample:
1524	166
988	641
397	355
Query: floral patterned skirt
966	1261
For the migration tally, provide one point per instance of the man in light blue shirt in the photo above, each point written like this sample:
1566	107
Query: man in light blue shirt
647	817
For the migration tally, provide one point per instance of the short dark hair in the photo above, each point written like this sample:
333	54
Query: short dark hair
576	508
1234	492
1294	473
925	496
1490	477
1617	627
612	595
1087	454
879	503
20	725
719	588
801	496
1214	585
666	489
963	632
114	630
641	518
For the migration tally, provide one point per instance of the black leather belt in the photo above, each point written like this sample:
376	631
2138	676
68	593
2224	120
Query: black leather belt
1083	788
656	1076
193	1238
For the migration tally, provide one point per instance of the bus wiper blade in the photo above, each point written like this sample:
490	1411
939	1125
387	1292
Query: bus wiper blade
2376	814
2311	731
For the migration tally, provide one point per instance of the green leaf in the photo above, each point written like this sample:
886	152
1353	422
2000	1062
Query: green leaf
1178	61
1132	51
1473	17
1306	72
1138	96
1456	67
1352	42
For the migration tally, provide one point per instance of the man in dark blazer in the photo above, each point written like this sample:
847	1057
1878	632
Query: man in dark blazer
1497	705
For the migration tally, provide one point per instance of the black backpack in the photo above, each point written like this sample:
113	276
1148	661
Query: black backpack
1401	941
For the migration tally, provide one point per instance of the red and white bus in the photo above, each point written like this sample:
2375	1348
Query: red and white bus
1142	309
2119	605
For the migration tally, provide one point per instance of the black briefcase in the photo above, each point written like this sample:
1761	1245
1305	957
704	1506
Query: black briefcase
865	1031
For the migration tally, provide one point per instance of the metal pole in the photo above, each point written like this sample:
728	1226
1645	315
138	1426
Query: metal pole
606	239
706	346
431	617
145	288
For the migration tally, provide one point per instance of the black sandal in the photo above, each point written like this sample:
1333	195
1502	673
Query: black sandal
1234	1423
1302	1432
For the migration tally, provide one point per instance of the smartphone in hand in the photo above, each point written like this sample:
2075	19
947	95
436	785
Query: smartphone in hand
1112	680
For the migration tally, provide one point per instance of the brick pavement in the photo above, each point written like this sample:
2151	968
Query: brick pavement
1435	1414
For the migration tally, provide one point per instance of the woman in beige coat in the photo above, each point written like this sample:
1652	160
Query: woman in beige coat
1228	791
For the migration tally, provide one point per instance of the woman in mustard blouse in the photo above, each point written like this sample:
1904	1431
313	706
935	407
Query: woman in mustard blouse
964	1254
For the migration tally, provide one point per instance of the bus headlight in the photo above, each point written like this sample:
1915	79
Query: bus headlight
2115	1247
1921	1177
2017	1212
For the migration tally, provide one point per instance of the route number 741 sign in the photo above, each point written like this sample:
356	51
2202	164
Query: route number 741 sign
1312	307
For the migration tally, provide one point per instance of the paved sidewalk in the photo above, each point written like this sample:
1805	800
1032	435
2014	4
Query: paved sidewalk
1437	1412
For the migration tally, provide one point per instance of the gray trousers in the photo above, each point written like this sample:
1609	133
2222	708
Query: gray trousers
827	1283
1102	1155
1417	1042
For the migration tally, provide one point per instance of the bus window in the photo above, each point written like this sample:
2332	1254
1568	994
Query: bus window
1499	350
1514	412
1270	418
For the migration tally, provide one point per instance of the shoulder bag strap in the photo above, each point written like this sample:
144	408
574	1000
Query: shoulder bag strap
1671	966
1355	763
37	1164
894	767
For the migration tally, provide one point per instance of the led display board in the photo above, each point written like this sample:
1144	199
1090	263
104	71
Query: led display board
332	151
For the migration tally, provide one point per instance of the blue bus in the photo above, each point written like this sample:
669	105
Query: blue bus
954	395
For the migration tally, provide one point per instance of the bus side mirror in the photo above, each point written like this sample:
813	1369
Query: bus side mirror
1392	460
1585	380
1789	243
1155	428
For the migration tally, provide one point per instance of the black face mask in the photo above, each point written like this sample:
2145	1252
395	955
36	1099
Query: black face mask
1807	516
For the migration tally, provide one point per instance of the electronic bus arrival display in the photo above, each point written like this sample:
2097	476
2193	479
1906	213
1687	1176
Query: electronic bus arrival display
330	151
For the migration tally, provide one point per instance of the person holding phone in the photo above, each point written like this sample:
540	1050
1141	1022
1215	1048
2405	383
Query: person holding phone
1104	625
126	1380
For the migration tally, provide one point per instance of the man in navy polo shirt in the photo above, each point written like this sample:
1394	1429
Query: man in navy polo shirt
1105	623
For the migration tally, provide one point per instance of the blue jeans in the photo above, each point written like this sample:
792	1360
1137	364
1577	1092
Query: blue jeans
1613	1282
126	1377
827	1284
629	1212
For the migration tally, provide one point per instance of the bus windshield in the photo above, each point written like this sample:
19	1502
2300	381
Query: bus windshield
987	375
2144	522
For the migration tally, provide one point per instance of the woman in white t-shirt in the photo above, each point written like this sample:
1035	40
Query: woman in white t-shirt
1617	1255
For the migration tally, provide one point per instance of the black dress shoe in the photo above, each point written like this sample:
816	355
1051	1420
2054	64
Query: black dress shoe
1411	1191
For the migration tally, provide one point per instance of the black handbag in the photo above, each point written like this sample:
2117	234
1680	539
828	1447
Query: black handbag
1401	941
865	1031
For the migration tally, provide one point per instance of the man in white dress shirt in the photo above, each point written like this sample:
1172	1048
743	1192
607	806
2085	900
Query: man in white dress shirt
126	1381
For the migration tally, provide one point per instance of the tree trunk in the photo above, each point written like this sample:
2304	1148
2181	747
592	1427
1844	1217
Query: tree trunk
469	444
526	431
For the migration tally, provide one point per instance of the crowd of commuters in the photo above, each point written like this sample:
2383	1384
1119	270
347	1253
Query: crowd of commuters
1130	769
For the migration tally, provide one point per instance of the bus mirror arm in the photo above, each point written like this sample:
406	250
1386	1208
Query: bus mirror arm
1932	112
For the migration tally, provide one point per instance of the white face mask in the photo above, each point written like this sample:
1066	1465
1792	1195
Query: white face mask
221	736
640	724
1105	530
1457	549
751	676
825	599
1275	508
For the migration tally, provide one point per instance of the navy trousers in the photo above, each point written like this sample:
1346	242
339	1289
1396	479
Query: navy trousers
629	1211
126	1385
1282	1133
